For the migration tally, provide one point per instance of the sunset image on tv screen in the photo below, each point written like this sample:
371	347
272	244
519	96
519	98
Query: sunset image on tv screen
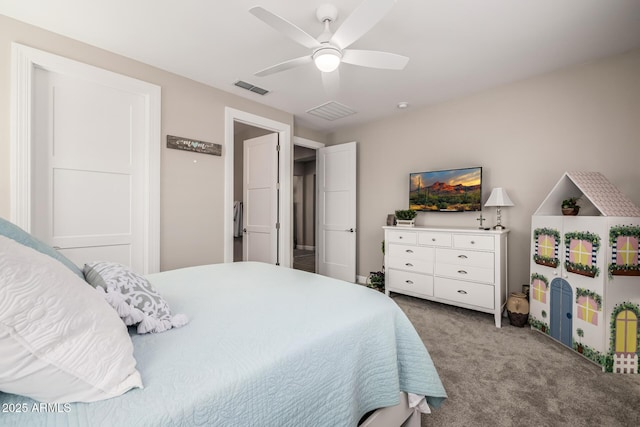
456	190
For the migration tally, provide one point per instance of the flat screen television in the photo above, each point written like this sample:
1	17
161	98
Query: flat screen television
452	190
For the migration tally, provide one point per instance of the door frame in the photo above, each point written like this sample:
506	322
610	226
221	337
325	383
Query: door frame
24	60
286	193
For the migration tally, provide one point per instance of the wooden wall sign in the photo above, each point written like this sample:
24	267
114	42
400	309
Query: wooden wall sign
194	145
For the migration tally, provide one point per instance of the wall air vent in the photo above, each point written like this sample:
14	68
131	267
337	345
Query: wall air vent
250	87
331	111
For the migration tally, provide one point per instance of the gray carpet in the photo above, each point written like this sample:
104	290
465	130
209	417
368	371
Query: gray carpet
515	376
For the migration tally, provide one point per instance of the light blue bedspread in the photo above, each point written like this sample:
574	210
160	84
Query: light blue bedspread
266	346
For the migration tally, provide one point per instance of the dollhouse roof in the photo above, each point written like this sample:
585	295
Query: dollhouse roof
598	196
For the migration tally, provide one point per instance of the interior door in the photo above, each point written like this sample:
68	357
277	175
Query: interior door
88	170
260	199
336	183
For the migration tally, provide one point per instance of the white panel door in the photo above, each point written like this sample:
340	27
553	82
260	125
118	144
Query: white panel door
88	171
260	199
336	177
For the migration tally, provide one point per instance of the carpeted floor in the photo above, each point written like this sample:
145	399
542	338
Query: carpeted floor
304	260
515	376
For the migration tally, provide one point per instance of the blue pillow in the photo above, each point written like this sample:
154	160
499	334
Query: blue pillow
16	233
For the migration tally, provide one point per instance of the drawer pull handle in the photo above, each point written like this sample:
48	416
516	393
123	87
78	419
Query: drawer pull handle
473	242
462	256
433	239
408	282
400	237
409	264
462	292
409	251
462	272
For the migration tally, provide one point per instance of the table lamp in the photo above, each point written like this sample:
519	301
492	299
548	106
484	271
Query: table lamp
498	198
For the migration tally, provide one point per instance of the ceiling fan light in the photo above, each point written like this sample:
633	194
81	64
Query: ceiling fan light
327	60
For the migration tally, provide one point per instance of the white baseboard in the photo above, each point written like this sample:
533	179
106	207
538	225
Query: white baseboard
361	280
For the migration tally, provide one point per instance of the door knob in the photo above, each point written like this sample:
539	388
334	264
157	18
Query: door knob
244	230
350	230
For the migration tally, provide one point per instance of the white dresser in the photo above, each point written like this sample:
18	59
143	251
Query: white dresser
458	266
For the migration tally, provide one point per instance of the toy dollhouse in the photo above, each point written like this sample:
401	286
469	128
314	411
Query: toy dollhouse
585	275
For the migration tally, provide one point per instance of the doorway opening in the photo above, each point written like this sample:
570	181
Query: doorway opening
304	208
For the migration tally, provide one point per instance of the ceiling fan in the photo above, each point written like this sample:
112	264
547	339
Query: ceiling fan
329	49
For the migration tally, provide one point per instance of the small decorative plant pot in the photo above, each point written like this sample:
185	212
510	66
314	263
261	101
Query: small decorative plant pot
405	222
570	211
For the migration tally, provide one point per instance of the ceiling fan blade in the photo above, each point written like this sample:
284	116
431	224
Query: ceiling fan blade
287	28
374	59
361	20
284	66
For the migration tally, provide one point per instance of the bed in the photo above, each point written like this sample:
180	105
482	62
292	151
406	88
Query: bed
265	346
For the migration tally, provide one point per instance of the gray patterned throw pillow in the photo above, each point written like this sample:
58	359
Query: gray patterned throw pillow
133	297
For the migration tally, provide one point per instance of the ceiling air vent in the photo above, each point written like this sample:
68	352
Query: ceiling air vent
250	87
331	110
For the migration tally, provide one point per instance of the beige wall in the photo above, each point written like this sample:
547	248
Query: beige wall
192	184
313	135
525	135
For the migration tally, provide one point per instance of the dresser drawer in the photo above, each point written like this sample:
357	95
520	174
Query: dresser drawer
409	264
466	241
411	252
465	258
434	239
398	236
464	292
468	272
408	281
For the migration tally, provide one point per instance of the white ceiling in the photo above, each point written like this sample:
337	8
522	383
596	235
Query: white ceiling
456	47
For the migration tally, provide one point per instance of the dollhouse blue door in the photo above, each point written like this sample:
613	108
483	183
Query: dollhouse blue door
561	322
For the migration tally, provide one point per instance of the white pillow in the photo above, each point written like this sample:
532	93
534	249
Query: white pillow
133	297
59	340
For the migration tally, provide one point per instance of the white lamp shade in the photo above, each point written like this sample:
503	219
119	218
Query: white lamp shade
499	197
327	59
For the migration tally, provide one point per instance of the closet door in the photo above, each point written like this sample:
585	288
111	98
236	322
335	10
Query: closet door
88	198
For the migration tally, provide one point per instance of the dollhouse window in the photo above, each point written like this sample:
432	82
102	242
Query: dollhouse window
580	252
626	332
539	291
588	309
627	252
546	246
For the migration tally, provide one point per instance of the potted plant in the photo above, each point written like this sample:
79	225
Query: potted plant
376	278
570	206
405	218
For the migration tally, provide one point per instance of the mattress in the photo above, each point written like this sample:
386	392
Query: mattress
265	346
